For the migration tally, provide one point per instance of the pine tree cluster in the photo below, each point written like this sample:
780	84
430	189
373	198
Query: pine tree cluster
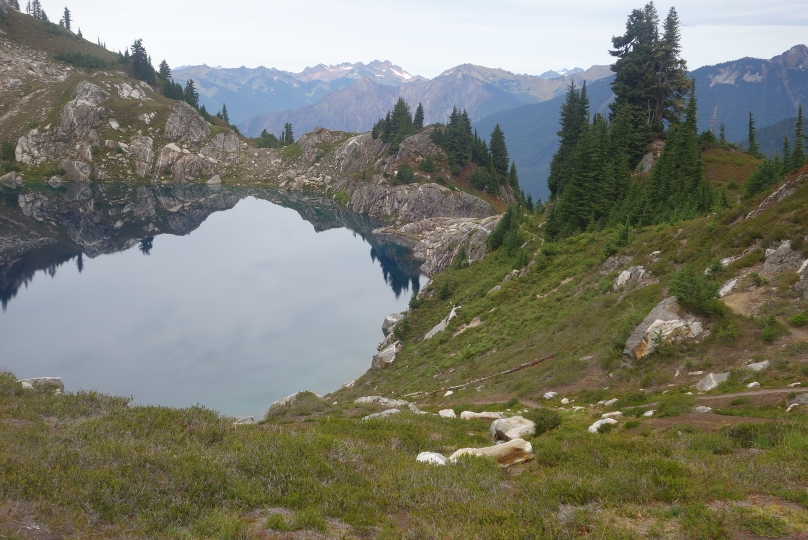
590	176
398	124
34	9
268	140
773	169
463	146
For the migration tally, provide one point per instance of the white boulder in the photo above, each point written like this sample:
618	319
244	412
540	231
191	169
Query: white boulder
515	427
447	413
506	454
432	457
757	367
596	426
711	381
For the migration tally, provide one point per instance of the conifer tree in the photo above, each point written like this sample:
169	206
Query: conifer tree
28	7
722	135
798	156
79	34
499	153
223	114
418	120
66	18
141	64
574	119
753	145
165	71
288	135
190	94
650	75
788	158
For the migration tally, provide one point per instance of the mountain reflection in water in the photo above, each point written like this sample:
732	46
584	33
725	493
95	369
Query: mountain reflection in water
44	227
193	294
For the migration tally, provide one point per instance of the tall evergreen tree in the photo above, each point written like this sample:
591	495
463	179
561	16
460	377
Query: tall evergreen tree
752	137
798	156
418	120
165	71
788	158
223	114
190	94
499	154
141	66
574	119
66	18
288	135
650	75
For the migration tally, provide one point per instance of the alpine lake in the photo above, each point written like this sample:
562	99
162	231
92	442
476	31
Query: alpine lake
223	296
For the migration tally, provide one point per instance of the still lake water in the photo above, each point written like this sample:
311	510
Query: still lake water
252	305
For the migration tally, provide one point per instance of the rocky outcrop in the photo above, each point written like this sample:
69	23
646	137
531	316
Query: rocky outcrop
507	454
782	258
662	325
441	326
386	356
185	125
785	190
141	150
222	143
633	275
169	155
128	91
416	202
390	322
190	167
82	115
711	381
78	171
438	241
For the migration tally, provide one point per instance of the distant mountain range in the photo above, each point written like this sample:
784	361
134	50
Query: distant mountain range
327	96
772	89
251	91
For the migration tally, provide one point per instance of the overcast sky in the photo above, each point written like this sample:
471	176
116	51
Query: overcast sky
426	37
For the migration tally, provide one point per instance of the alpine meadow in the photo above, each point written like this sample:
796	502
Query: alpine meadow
619	353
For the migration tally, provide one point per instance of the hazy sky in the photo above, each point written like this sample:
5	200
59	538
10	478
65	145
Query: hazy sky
427	37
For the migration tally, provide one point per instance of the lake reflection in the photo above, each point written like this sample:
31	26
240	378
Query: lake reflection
249	306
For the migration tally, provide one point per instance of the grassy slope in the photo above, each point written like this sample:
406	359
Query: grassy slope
88	464
41	101
52	39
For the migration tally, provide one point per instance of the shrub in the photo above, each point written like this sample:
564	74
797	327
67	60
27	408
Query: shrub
800	319
696	291
445	291
761	436
81	60
545	420
7	149
427	164
405	174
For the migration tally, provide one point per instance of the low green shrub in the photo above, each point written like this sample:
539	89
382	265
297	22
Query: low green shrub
545	419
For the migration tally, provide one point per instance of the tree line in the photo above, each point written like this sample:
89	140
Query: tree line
773	169
590	181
